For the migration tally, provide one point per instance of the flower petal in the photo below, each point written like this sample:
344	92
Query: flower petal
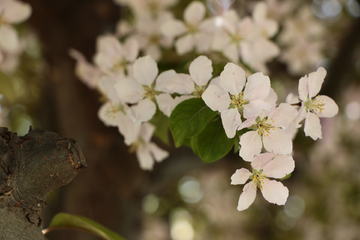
277	141
274	192
303	88
231	51
108	114
167	104
163	79
185	44
231	120
247	197
316	80
158	153
145	70
194	13
283	115
232	78
250	145
312	127
330	108
254	108
9	40
201	70
281	166
173	28
180	83
129	90
261	160
257	87
240	176
144	157
131	49
128	129
216	98
16	12
143	111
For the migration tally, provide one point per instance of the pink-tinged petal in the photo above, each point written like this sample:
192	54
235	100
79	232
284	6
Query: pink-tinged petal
144	157
316	80
250	145
240	176
277	141
158	153
180	83
274	192
231	120
163	79
16	12
8	38
194	13
231	52
201	70
281	166
303	88
271	98
185	44
262	160
257	87
232	78
131	50
167	104
146	131
301	114
247	123
145	70
128	129
216	98
330	107
143	111
312	127
173	28
247	197
254	108
129	90
283	115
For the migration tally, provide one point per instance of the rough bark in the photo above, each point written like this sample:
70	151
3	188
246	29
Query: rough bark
30	168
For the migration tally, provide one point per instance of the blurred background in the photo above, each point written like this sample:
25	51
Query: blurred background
184	198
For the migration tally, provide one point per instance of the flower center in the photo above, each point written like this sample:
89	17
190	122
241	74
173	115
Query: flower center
258	178
315	105
192	29
149	92
119	65
264	126
237	101
154	39
199	90
236	38
113	109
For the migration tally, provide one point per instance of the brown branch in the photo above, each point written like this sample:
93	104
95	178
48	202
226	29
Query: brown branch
30	168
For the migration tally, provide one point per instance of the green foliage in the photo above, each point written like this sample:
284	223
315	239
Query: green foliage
64	220
212	143
189	118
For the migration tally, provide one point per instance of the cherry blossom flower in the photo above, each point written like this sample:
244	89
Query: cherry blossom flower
233	100
313	107
138	137
267	131
264	166
194	32
11	12
112	57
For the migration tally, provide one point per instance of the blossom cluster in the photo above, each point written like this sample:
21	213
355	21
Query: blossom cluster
126	72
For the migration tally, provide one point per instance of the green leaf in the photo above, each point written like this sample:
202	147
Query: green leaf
64	220
212	143
161	122
189	118
286	177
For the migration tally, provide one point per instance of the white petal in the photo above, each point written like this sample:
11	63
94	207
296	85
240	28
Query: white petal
180	83
232	78
163	79
261	160
8	38
220	41
145	159
16	12
216	98
283	115
231	120
303	88
201	70
277	141
247	123
146	131
316	80
247	197
144	110
312	127
257	87
131	49
158	153
231	52
173	28
330	108
167	104
274	192
108	114
129	90
203	42
128	129
194	13
254	108
185	44
250	145
281	166
145	70
240	176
